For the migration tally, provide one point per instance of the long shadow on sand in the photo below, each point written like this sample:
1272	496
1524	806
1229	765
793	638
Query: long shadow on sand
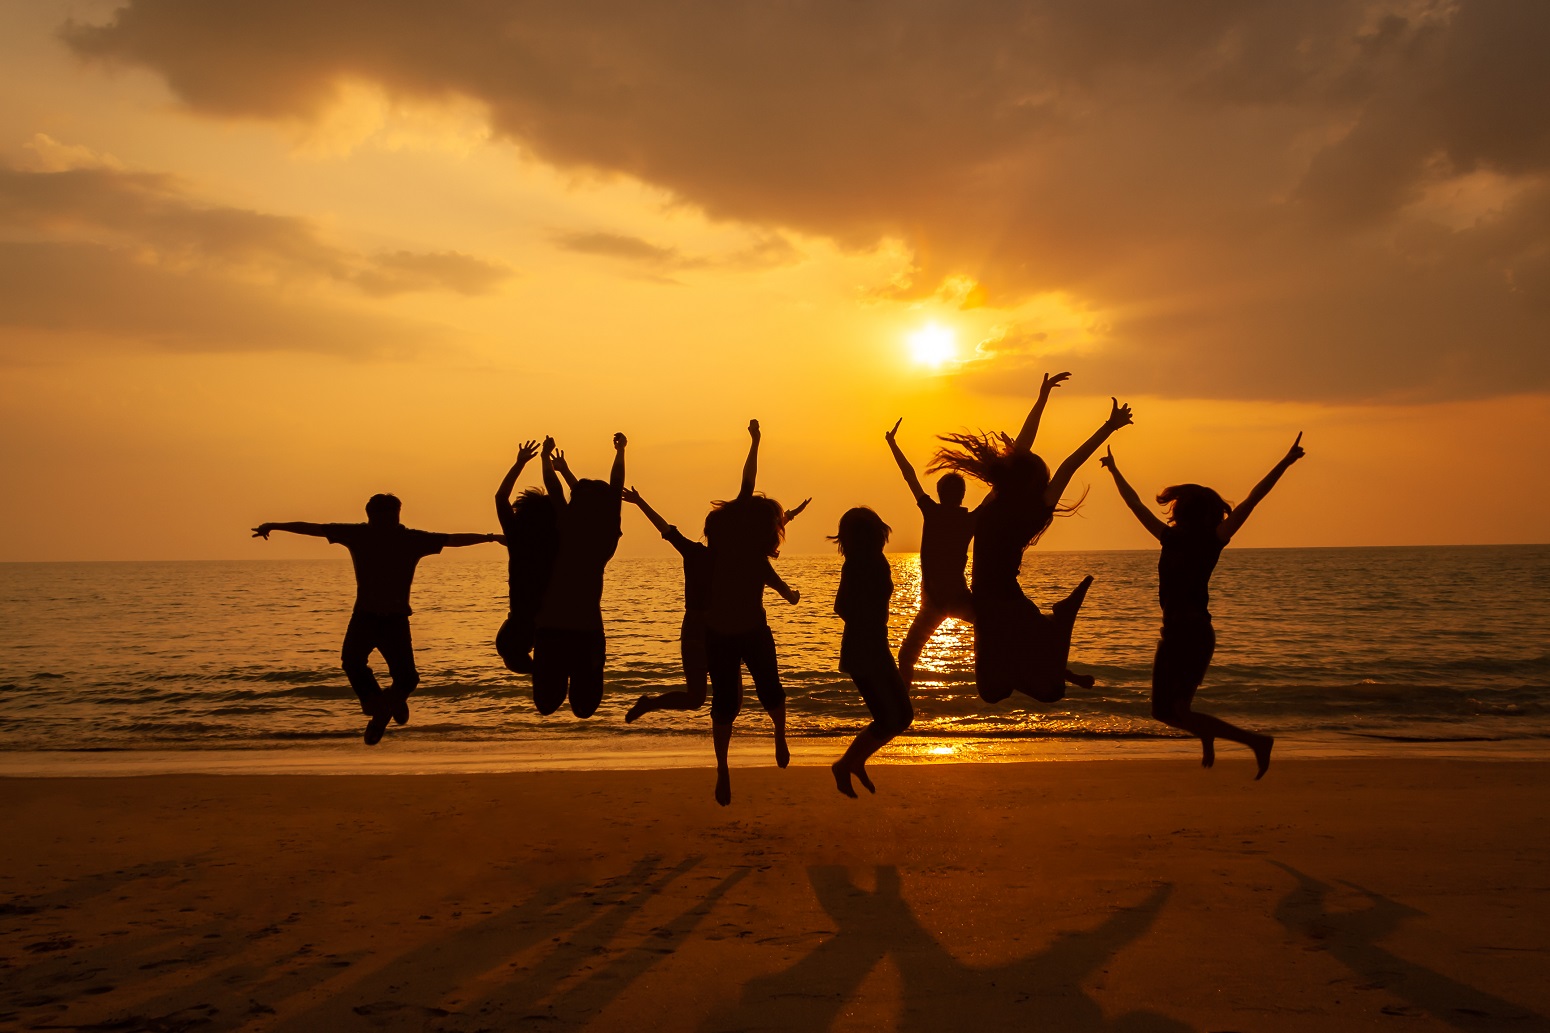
554	957
1352	939
1041	991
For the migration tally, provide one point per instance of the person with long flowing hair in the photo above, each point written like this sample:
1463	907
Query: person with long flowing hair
1200	524
1018	647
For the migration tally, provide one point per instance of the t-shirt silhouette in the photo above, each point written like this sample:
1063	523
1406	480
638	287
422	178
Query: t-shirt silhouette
944	550
384	556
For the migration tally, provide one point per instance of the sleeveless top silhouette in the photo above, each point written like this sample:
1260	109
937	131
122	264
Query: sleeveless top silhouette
384	557
531	542
737	577
1184	573
1004	527
696	556
575	596
866	585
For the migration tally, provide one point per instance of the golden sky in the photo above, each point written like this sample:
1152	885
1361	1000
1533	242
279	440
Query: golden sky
259	260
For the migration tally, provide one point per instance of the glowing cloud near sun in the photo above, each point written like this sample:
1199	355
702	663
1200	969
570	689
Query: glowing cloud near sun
933	345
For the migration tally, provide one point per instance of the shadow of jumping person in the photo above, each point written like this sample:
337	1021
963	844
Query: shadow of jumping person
1041	990
1352	937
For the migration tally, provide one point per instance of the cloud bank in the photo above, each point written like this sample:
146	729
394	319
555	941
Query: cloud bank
1328	199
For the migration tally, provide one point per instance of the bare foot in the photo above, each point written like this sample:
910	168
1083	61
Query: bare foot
782	751
1262	755
642	706
842	778
723	786
1207	752
1081	681
866	782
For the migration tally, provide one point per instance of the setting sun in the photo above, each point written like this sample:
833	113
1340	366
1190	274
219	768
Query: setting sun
933	345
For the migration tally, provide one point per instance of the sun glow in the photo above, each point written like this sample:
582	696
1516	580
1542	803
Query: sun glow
933	345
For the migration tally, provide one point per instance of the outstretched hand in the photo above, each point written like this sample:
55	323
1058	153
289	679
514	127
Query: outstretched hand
262	531
559	460
1052	381
889	435
620	441
792	514
1107	459
1119	416
1295	452
526	453
630	495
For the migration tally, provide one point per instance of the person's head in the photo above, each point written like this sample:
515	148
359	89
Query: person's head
861	532
1194	506
383	509
949	489
754	522
990	459
534	515
594	504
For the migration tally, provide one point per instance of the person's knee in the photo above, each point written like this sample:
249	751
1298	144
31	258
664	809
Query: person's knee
548	695
406	681
695	694
1169	711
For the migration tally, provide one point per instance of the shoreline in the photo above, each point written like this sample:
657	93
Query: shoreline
750	750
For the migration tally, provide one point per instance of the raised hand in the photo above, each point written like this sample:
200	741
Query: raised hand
630	495
1052	381
526	453
548	445
262	531
1107	460
888	435
1295	452
792	514
619	441
1119	416
559	461
753	429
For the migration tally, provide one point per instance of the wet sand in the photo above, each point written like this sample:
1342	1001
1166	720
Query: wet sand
1108	895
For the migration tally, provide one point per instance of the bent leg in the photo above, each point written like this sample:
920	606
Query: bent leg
921	629
551	670
759	655
586	683
397	648
691	648
359	640
514	643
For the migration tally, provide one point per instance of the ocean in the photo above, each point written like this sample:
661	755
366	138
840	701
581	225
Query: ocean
226	665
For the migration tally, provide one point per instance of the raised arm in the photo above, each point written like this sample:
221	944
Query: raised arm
904	464
773	580
1153	523
457	541
551	480
1229	527
616	475
525	455
1024	442
792	514
294	527
562	468
1119	416
751	464
632	496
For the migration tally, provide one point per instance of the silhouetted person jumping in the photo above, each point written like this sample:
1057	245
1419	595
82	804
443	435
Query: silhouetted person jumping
1200	524
384	553
866	586
743	536
946	530
532	538
1017	647
570	647
691	635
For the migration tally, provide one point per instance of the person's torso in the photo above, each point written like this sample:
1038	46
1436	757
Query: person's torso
735	601
574	597
944	549
866	586
1002	531
384	559
530	552
1184	573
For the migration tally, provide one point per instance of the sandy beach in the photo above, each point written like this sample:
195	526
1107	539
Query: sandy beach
1108	895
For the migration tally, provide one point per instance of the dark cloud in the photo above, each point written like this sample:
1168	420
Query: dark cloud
153	214
83	291
1239	183
762	253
